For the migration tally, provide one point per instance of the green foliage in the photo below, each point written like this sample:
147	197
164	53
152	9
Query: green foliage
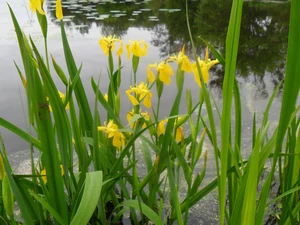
106	180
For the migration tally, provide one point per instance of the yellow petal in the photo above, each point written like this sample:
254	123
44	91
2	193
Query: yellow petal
39	7
161	128
150	76
165	78
186	65
118	140
111	134
36	5
133	100
101	128
136	49
145	115
117	143
147	100
129	117
111	127
32	6
120	50
211	63
145	49
43	174
165	71
59	12
103	45
205	73
179	134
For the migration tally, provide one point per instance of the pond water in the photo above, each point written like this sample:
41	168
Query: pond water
162	24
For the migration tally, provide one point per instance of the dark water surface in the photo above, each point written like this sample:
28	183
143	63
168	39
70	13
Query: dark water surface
162	24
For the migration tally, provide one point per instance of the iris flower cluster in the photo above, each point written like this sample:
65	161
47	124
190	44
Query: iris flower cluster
140	93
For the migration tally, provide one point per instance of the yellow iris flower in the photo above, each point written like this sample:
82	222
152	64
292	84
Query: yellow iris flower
111	129
141	93
182	60
204	66
164	70
108	43
36	5
179	131
59	12
145	115
137	48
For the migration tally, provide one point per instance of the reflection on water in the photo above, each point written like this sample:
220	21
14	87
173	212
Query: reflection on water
263	39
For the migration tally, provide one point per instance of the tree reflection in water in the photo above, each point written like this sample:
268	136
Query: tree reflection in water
263	39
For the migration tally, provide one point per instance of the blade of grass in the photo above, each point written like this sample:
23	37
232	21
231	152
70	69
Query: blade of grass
47	137
22	134
232	42
90	198
61	119
249	202
78	89
147	211
233	180
49	208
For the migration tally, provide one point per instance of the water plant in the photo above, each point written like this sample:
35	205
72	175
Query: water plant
89	171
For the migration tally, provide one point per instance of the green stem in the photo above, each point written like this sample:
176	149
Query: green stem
135	65
156	116
46	53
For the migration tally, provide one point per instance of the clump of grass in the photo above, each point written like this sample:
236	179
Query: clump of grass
107	182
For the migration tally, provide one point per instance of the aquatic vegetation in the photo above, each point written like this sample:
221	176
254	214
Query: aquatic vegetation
92	172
